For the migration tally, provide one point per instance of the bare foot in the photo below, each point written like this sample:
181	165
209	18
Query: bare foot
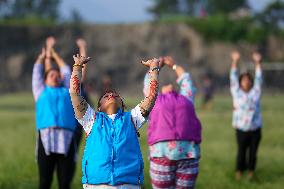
250	175
238	175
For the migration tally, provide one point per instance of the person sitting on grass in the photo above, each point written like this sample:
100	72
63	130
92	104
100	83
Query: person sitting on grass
55	120
174	133
112	156
247	120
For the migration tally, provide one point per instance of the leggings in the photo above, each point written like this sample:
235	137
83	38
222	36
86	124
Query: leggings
173	174
65	166
248	143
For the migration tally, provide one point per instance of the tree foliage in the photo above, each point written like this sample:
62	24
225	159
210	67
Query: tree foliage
190	7
224	7
273	16
44	9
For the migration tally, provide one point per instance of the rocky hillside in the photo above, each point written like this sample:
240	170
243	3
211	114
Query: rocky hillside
116	50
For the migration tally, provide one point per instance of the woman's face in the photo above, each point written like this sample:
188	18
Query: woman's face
53	78
110	99
246	84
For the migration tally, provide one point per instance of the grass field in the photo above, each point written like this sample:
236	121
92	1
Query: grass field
18	169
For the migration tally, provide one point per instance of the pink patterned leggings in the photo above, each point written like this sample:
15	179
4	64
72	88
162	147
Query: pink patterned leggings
173	174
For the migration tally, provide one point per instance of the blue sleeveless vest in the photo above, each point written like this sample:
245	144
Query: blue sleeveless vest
112	153
54	108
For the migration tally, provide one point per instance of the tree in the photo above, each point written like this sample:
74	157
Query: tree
273	16
45	9
194	7
163	7
224	6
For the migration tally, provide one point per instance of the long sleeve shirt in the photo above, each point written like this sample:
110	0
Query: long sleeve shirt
54	139
246	105
177	150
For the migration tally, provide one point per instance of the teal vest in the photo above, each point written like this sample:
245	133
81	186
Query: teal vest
112	154
54	108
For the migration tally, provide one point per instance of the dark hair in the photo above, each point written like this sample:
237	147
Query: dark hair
246	74
110	91
49	70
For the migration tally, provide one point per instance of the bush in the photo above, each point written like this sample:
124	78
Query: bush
222	28
27	21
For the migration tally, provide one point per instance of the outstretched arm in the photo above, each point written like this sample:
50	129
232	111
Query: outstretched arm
148	102
37	77
79	103
258	74
183	78
234	81
82	45
50	42
64	68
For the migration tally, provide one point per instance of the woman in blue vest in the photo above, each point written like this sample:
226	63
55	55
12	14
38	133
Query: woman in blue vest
55	121
112	156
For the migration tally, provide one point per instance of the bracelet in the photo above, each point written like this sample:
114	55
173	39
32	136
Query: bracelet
155	68
78	65
174	67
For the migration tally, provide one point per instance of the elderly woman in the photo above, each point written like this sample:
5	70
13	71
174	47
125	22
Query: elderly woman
174	133
112	156
247	120
55	121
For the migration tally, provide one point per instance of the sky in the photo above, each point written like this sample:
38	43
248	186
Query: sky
121	11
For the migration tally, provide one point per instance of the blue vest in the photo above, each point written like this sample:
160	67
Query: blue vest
112	154
54	108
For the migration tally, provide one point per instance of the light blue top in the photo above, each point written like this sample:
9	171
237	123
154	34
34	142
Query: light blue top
246	106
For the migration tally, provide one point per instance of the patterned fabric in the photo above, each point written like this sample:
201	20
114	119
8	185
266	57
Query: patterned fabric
169	174
184	81
87	121
177	150
123	186
55	140
247	112
187	88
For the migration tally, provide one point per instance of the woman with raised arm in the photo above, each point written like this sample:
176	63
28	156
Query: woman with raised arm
82	45
247	119
112	156
55	121
174	133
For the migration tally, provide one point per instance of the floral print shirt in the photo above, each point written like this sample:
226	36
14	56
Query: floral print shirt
246	105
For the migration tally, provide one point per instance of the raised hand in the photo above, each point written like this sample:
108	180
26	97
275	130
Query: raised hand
169	61
256	57
235	55
50	42
151	63
80	60
81	43
41	56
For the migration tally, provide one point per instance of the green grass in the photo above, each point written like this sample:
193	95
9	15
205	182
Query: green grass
18	168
